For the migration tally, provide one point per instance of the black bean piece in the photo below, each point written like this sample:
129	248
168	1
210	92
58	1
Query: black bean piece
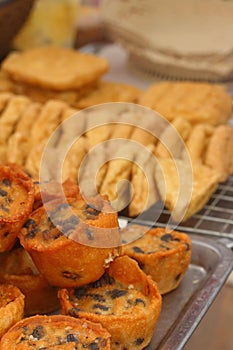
140	301
32	233
4	208
117	293
162	246
3	193
167	237
101	307
71	338
6	234
6	182
139	341
93	346
138	250
70	275
74	311
187	246
38	332
97	297
29	222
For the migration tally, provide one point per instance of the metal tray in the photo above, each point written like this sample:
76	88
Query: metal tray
183	309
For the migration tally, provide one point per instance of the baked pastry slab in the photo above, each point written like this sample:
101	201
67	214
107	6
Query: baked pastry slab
75	237
16	202
124	300
11	307
54	67
193	101
55	332
163	254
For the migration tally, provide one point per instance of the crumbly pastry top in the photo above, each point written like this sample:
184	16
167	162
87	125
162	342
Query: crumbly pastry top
108	297
154	240
44	332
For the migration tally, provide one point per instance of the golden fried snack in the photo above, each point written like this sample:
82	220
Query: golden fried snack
55	332
18	145
163	254
47	121
193	101
116	180
11	307
54	67
170	143
124	300
18	269
4	100
42	95
6	85
107	91
144	191
73	159
197	142
16	202
9	119
219	154
184	190
72	229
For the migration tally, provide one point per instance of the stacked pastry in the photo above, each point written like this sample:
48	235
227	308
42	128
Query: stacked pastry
51	237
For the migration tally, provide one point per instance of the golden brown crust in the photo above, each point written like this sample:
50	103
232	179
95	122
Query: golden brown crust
196	102
17	197
219	151
55	332
125	301
55	68
162	254
11	307
184	189
78	234
107	91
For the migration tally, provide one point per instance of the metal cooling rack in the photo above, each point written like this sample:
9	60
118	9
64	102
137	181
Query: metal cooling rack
215	219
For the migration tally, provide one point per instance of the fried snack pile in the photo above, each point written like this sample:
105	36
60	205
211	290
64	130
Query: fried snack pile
60	82
55	252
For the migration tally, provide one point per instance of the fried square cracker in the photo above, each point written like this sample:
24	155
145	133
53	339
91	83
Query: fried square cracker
193	101
219	154
107	91
54	67
184	189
